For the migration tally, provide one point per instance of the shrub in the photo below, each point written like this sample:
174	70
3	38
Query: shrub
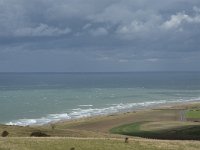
39	134
4	134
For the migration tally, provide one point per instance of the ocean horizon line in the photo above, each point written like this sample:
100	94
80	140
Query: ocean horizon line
93	72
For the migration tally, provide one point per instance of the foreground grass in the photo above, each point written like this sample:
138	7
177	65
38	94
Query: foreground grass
17	131
93	144
161	130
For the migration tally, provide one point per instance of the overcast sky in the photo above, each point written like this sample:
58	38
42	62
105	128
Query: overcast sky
99	35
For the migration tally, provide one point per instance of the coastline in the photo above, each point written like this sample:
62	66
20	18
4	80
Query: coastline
141	107
103	123
95	132
100	126
170	105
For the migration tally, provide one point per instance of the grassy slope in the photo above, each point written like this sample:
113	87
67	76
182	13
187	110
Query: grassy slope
96	127
92	127
17	131
93	144
165	129
161	130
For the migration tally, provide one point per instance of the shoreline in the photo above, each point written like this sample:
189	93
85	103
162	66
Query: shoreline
166	105
172	105
101	125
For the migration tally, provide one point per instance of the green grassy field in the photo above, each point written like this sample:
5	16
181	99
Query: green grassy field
161	130
193	114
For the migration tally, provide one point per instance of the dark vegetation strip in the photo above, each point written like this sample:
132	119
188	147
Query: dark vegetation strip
189	132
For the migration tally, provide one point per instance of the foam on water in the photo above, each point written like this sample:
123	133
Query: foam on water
40	98
87	112
85	105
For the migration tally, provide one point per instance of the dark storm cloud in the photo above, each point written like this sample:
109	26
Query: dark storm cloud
103	35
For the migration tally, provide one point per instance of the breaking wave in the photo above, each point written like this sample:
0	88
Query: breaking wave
88	112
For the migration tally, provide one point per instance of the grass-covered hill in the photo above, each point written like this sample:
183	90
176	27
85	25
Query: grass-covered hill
109	132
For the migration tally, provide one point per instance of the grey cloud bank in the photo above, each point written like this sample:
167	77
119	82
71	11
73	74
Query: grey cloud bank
93	35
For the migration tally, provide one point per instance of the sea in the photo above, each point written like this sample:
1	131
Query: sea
41	98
